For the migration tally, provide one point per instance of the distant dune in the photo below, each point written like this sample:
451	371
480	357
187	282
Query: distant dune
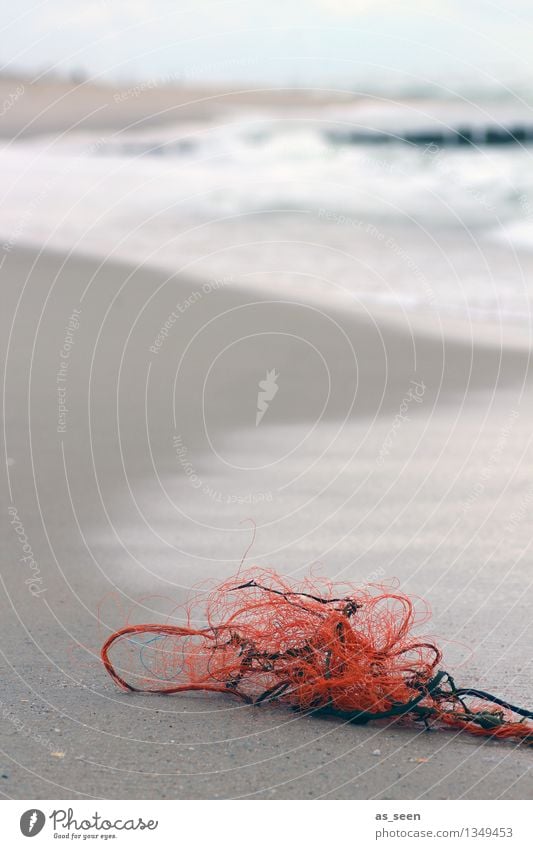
50	106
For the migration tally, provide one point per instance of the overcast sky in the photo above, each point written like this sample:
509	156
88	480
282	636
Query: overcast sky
279	41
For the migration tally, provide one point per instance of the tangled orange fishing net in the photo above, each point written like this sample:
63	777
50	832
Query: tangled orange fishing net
313	647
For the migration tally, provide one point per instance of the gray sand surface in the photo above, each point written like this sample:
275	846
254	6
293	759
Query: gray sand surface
440	499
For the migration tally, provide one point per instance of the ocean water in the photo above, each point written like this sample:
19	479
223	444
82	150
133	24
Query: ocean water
272	200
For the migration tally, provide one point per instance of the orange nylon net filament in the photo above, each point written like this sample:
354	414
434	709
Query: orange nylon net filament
312	647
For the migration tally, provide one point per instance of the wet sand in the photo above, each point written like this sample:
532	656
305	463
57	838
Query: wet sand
388	451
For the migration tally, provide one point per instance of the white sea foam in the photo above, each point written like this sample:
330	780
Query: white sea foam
272	200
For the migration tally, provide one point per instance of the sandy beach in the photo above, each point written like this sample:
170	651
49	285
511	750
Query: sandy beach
133	458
